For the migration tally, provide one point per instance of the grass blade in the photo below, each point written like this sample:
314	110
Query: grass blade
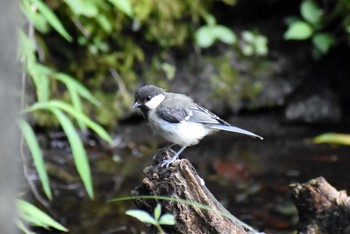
78	151
70	81
52	19
37	217
77	105
77	115
37	156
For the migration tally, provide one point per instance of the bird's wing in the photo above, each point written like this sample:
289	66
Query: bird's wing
172	115
173	108
200	114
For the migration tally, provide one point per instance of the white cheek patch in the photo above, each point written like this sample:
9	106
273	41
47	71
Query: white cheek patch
155	101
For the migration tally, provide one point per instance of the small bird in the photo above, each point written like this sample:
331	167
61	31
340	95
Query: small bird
178	119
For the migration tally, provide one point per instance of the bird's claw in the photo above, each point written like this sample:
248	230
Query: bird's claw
169	161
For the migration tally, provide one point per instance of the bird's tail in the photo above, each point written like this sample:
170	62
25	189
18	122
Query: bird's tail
235	129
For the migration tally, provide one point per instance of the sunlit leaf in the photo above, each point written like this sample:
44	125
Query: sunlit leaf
224	34
77	105
310	11
167	219
141	215
27	51
210	20
78	151
323	42
78	115
52	19
41	81
248	36
37	156
204	37
299	30
83	7
247	50
333	138
157	211
261	45
35	216
23	227
70	81
105	23
39	22
124	6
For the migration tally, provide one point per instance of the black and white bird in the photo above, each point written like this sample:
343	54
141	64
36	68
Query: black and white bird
178	119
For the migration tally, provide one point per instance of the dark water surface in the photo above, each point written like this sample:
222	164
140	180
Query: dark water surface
250	177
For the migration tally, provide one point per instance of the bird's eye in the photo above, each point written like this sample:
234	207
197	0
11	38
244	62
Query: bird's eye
148	98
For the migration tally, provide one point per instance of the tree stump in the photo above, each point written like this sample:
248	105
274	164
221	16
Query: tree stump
322	209
180	180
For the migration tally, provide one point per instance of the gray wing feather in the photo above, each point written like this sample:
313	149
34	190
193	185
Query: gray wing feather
199	114
235	129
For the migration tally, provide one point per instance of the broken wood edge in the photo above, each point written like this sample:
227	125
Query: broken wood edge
181	181
321	208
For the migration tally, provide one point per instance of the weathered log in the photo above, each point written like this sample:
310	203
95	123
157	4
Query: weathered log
180	180
322	209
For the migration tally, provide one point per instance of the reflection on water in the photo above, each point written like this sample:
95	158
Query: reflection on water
250	177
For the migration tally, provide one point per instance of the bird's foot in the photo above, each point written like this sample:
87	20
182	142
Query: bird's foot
169	161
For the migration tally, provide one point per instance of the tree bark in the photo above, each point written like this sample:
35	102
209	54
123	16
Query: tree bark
322	209
181	180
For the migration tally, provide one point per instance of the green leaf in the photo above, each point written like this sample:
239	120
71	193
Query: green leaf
167	219
83	7
204	37
124	6
323	42
77	105
261	45
37	155
224	34
52	19
105	23
157	211
141	215
248	50
39	22
210	20
27	48
23	227
71	81
299	30
35	216
78	151
311	12
41	81
248	36
333	138
77	115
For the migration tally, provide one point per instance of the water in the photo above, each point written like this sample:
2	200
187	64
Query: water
249	177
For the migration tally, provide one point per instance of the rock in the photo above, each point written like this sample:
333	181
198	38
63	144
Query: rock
314	108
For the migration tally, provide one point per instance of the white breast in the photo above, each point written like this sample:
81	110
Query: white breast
184	133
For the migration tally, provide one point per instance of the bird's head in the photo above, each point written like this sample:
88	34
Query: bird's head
148	97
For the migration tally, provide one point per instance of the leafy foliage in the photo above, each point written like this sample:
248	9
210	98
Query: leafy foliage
157	219
36	217
206	35
37	155
314	24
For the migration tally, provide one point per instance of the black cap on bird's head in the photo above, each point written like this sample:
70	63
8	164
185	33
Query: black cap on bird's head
145	94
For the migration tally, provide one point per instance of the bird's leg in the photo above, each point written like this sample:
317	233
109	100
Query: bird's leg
167	162
166	148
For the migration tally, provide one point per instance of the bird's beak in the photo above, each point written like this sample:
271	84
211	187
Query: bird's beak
136	104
